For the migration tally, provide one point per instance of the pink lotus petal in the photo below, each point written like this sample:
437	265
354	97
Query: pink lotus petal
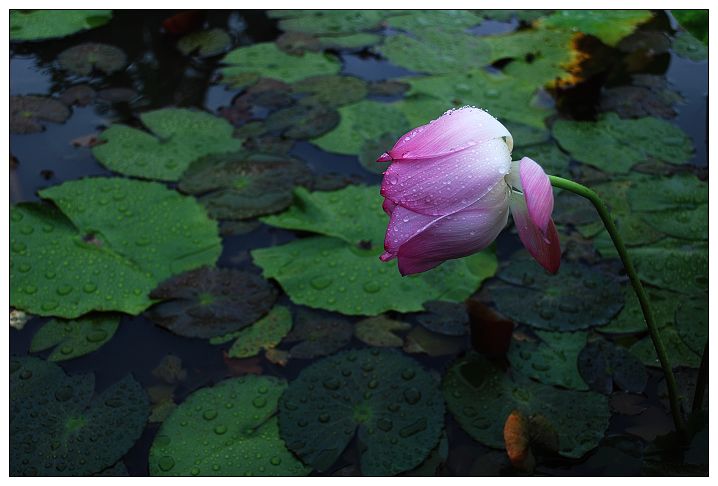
385	157
449	183
543	246
404	225
537	191
453	131
456	235
388	206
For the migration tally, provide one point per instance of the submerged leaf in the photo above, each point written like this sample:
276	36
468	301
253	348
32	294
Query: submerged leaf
264	334
446	318
59	428
601	364
210	302
27	113
82	59
71	339
388	400
204	43
318	335
380	331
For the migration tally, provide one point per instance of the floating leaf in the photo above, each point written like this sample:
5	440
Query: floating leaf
59	429
481	396
82	59
179	136
446	318
235	420
243	185
80	94
71	339
436	51
332	22
362	121
680	191
648	95
694	21
30	25
303	121
552	360
419	21
508	15
630	319
332	90
679	354
624	143
27	113
552	159
262	335
688	47
387	399
673	265
421	341
689	224
318	335
265	60
503	96
350	41
204	43
380	331
608	25
330	274
602	363
372	149
692	323
578	297
210	302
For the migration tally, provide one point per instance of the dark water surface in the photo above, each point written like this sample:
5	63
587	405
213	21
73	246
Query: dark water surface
163	77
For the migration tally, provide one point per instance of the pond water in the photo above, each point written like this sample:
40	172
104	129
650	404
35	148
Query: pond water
628	117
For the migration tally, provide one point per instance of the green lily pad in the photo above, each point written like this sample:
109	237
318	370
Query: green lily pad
27	113
332	22
335	213
419	21
362	121
387	399
525	135
608	25
552	360
328	273
689	224
508	15
244	185
205	43
122	238
372	149
380	331
688	47
441	51
680	191
421	341
178	137
694	21
71	339
264	334
505	97
84	58
602	363
692	323
349	41
303	121
318	335
31	25
332	90
578	297
266	60
210	302
551	158
480	396
229	429
673	265
678	352
630	320
57	428
447	318
624	143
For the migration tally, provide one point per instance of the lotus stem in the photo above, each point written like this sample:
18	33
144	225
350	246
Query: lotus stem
584	191
701	381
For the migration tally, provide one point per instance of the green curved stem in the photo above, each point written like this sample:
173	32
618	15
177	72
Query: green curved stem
584	191
701	381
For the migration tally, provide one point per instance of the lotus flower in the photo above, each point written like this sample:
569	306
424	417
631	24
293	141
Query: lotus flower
449	189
